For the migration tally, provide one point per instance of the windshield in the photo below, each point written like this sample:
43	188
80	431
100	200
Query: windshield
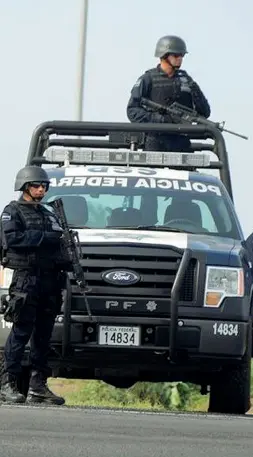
114	201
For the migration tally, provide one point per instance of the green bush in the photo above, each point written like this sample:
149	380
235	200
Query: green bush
170	395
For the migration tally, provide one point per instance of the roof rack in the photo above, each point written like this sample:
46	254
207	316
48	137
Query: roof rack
129	137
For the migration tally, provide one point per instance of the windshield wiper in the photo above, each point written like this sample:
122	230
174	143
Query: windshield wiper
165	228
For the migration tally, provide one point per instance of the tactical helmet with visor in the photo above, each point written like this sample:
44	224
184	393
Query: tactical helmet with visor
31	175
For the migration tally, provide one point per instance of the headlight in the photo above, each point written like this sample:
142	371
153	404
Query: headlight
223	282
5	277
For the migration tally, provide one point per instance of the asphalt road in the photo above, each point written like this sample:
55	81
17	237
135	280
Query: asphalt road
67	432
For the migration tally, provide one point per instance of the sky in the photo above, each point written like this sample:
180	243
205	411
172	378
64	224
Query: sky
39	49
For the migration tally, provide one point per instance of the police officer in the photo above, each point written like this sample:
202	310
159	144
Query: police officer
32	248
166	84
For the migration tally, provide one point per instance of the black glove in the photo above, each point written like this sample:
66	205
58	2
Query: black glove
195	89
201	104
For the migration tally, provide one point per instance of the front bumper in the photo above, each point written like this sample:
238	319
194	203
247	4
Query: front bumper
195	337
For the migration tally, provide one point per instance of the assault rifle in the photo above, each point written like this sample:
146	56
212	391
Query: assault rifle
70	241
187	115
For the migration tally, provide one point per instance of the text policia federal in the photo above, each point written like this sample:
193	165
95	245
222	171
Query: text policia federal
112	181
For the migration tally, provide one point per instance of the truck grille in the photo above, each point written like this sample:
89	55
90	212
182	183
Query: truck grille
156	266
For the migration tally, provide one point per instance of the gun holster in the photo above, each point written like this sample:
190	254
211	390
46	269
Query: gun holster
13	306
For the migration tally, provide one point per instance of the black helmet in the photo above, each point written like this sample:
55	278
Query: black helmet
170	44
28	174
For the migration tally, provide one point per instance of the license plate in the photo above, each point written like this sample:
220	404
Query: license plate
114	335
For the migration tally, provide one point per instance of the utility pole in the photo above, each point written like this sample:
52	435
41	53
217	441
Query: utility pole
81	59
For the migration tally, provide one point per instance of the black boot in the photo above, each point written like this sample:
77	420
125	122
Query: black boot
9	392
39	392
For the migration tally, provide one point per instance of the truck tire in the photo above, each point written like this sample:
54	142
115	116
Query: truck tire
230	391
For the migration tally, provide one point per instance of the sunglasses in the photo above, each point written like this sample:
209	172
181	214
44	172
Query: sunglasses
37	184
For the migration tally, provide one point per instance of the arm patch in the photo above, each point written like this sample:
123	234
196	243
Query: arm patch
6	217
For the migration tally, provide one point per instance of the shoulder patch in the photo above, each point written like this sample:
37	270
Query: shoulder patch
6	217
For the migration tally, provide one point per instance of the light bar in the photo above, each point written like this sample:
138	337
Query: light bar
105	156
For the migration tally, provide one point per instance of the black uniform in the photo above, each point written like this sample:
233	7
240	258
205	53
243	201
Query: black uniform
157	86
31	236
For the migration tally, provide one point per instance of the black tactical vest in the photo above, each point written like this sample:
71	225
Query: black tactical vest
47	257
166	90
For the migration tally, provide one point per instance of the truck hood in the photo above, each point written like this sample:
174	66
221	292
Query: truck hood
205	242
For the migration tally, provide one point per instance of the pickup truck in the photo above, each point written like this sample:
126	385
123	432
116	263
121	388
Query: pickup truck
164	257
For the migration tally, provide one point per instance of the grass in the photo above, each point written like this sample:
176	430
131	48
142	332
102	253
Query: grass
99	394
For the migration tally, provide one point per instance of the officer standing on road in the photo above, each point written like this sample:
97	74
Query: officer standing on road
166	84
32	248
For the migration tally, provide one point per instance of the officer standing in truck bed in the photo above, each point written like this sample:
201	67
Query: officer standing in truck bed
166	84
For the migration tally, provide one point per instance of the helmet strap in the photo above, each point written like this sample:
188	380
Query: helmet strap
175	67
166	64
